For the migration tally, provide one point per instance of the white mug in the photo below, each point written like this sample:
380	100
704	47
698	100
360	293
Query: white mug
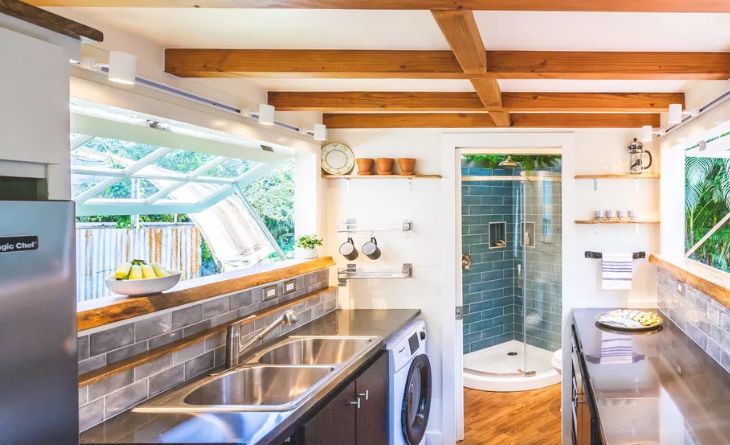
610	214
599	214
632	214
623	214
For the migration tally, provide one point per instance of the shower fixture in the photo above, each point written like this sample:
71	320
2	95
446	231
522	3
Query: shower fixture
510	163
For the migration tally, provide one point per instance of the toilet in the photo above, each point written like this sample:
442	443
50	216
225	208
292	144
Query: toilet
557	361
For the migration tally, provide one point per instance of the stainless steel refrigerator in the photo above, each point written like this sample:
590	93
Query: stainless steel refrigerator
38	362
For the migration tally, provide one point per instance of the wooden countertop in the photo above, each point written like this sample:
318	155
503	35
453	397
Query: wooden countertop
116	309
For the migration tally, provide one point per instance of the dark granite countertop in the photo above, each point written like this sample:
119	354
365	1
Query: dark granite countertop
252	427
667	391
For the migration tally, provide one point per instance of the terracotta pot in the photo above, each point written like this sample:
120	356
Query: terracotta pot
385	166
407	166
365	166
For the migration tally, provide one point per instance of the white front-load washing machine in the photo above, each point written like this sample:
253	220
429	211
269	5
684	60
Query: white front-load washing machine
410	385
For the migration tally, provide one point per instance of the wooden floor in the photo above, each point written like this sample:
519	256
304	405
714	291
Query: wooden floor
512	418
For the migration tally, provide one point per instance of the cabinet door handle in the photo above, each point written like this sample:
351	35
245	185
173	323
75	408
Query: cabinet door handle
355	403
365	394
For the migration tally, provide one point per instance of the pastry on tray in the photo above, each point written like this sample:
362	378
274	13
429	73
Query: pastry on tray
631	319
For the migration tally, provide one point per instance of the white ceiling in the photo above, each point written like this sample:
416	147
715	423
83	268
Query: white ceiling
351	29
356	29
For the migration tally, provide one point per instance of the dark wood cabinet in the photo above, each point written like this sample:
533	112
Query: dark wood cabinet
357	415
372	417
337	420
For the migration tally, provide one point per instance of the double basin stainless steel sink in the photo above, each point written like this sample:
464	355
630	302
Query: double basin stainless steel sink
278	378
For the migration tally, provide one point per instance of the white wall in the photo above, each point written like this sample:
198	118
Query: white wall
34	140
431	250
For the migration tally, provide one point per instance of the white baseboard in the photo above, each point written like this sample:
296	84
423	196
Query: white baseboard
434	438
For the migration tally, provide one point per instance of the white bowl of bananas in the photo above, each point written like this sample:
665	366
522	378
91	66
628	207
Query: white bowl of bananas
139	278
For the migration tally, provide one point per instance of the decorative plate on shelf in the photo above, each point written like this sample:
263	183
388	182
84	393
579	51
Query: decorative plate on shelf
337	159
630	320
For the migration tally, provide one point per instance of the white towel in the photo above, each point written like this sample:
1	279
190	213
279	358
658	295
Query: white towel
616	348
617	270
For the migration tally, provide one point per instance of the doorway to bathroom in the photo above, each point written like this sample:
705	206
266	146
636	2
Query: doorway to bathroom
511	241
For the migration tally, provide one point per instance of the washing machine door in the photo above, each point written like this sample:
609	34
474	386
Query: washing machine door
416	400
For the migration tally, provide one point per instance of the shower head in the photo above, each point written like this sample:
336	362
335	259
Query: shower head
510	163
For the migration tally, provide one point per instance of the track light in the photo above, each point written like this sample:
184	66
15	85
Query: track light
647	133
320	132
122	67
266	114
675	114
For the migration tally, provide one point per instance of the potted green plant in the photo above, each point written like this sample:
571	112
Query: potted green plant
307	246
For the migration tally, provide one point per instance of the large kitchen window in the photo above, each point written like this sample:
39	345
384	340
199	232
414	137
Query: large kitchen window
190	199
707	202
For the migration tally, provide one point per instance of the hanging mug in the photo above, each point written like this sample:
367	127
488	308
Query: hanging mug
348	250
371	249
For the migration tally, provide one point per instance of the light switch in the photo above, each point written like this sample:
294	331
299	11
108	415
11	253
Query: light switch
268	293
289	287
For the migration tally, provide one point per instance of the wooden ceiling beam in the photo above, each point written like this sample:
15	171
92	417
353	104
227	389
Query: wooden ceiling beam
483	120
312	63
45	19
469	102
461	31
386	64
485	5
591	102
608	65
373	101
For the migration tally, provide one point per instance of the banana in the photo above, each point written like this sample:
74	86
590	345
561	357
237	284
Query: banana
148	272
123	271
159	270
135	273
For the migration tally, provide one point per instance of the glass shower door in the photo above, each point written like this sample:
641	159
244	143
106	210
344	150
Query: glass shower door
538	287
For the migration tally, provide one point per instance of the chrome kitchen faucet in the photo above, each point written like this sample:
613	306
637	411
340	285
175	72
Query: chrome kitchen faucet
234	349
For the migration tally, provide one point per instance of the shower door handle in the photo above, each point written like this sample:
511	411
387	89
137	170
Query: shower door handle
466	262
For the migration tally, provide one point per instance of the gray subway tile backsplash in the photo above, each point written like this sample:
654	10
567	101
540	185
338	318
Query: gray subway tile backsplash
187	316
152	327
110	339
147	369
91	414
199	365
186	354
166	379
82	347
125	398
215	307
118	393
702	318
127	351
110	384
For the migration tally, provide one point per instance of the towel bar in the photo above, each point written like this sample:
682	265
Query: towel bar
599	255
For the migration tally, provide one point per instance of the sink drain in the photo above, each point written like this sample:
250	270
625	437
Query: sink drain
511	354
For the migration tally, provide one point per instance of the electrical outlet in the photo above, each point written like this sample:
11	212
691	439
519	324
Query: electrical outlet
268	293
289	286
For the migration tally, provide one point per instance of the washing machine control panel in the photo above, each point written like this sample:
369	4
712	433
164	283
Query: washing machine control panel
407	347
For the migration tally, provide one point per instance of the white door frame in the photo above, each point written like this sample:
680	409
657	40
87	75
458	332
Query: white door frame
452	144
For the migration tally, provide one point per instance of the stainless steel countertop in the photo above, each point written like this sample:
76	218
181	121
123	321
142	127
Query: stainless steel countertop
252	427
668	392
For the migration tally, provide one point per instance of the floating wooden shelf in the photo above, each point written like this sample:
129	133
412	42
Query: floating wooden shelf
381	177
616	176
616	221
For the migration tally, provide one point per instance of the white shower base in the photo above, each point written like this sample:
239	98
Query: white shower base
491	369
